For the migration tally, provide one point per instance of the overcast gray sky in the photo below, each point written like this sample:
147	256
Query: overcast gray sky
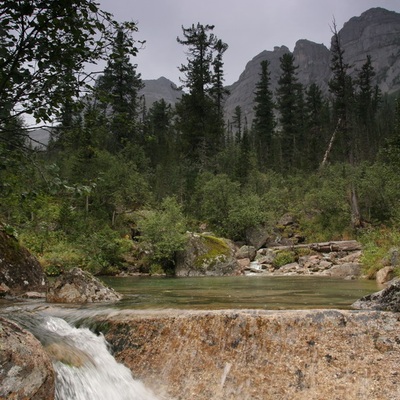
247	26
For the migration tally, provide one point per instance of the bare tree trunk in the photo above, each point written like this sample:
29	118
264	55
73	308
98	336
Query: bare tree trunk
355	209
328	150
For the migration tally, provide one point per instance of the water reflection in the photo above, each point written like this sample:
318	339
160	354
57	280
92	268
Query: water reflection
272	293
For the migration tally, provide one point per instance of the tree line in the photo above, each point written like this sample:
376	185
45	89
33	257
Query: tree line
115	166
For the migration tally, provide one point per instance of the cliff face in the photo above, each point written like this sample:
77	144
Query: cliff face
242	91
376	33
258	355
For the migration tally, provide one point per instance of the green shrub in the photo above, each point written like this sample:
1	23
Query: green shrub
377	245
284	257
163	232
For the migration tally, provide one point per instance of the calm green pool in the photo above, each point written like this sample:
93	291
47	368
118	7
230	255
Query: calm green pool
243	292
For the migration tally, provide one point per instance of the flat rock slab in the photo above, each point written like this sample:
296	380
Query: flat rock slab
260	355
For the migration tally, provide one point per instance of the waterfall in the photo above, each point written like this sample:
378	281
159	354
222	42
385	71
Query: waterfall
84	366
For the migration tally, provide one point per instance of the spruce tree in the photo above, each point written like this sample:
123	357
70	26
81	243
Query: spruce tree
264	122
316	119
117	90
341	87
367	99
200	110
290	102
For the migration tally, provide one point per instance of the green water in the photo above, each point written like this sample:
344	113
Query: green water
244	292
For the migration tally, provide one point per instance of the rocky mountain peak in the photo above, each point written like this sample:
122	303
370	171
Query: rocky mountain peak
376	32
161	88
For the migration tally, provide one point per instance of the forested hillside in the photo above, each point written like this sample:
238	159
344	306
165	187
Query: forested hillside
120	179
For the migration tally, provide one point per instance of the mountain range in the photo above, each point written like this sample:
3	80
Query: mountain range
376	32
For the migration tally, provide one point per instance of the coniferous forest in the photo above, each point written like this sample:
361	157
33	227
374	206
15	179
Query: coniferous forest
120	179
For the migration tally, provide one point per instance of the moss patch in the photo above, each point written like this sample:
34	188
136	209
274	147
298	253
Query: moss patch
214	250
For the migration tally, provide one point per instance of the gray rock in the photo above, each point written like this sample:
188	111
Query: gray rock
77	286
20	271
375	32
246	252
348	270
384	275
207	255
26	371
387	299
161	88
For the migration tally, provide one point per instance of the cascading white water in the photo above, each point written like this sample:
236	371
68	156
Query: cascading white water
85	369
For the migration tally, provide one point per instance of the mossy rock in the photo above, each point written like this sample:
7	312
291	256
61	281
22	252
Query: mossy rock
206	255
19	269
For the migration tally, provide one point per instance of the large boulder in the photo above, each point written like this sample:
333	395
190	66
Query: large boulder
26	371
385	275
77	286
387	299
346	270
206	255
20	271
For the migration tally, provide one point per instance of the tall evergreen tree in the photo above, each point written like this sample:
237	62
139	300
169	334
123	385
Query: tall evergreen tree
367	99
118	90
316	119
200	110
290	102
342	88
237	122
264	122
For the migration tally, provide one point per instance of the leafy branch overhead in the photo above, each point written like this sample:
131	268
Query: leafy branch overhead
45	47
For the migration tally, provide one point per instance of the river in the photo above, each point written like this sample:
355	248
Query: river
85	368
241	292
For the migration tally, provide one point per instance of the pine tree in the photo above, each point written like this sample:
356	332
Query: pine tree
289	95
341	86
118	90
237	122
264	122
200	110
316	119
342	90
367	99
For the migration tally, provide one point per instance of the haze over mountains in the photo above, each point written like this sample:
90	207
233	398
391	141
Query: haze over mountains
376	32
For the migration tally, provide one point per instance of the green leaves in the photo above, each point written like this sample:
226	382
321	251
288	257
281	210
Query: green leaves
44	47
163	230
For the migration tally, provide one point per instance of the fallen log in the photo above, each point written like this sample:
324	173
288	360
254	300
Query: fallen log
324	247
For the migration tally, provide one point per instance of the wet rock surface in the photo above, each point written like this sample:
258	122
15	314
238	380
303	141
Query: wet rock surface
260	355
77	286
26	371
387	299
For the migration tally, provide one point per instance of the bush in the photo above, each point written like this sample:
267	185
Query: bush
283	258
163	232
377	245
